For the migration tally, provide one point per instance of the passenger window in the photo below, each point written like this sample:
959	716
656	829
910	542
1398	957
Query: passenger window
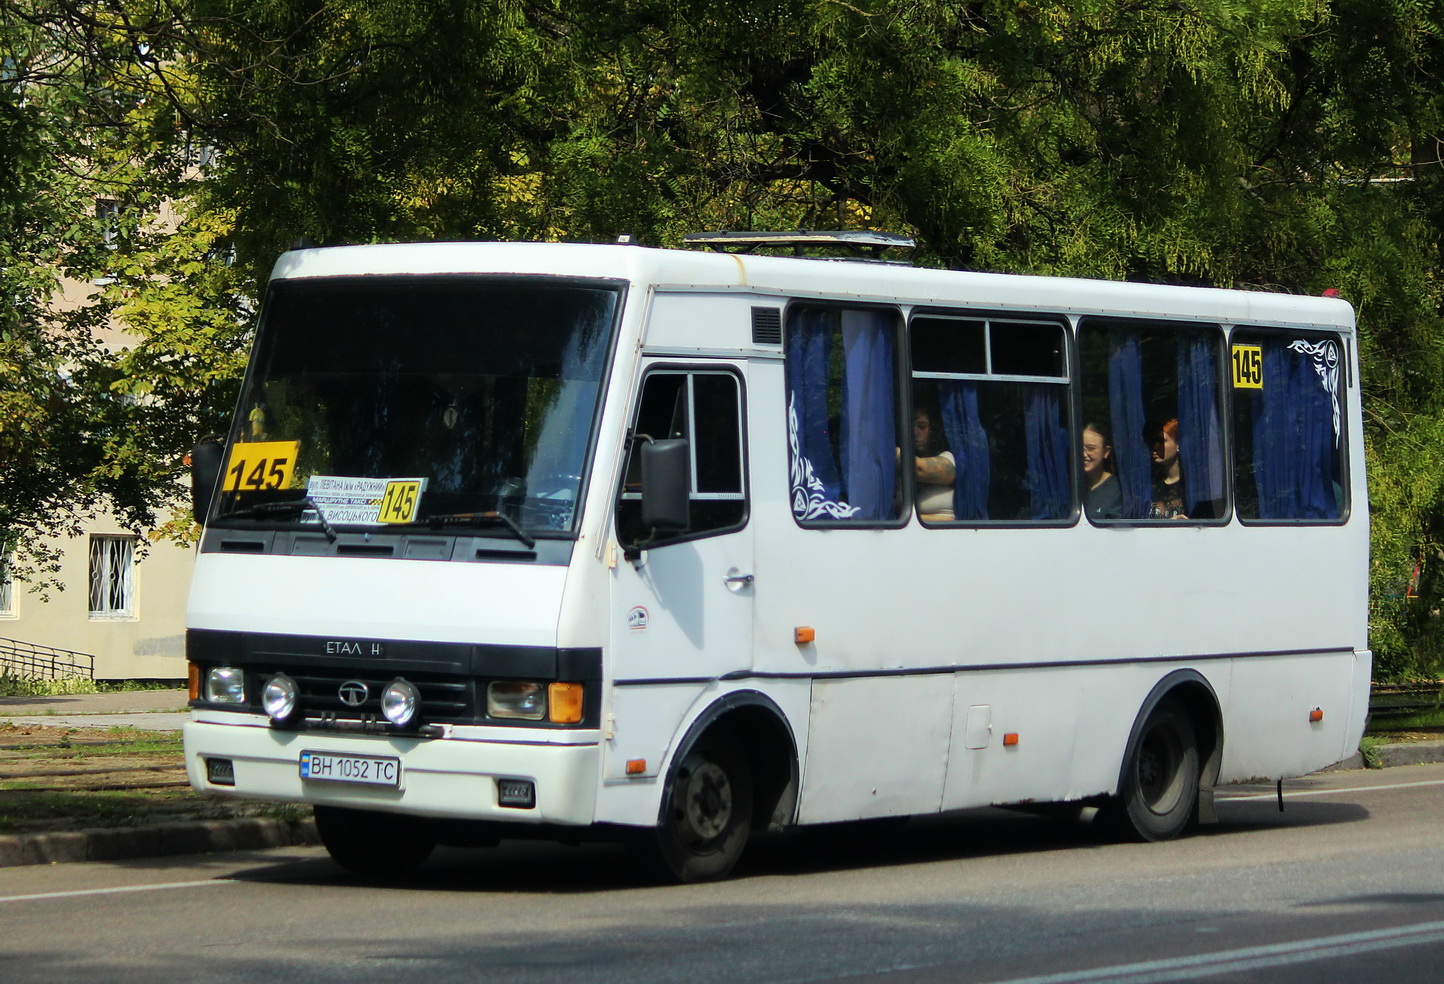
842	415
990	399
1151	395
704	409
1288	426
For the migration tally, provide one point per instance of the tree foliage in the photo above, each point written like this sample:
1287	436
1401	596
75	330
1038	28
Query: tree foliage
1282	144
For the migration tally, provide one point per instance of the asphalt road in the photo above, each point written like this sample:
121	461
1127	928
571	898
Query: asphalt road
1346	885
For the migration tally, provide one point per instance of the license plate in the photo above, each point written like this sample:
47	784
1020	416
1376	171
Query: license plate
368	770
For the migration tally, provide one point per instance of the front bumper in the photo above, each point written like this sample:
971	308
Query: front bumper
454	777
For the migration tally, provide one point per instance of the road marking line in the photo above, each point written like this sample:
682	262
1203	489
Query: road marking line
1224	797
114	891
1248	958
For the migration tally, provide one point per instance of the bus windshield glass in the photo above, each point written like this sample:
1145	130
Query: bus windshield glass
403	402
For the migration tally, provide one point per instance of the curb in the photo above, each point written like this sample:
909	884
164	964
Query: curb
154	840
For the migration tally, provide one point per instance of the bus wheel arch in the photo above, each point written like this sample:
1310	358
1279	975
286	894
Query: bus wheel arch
1171	762
738	757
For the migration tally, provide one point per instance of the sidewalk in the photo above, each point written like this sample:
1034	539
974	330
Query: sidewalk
150	710
165	710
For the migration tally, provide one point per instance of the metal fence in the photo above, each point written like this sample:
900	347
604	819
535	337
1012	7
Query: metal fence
1398	701
26	659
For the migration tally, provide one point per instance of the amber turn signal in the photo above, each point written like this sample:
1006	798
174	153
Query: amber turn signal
564	701
193	680
636	767
804	634
1011	738
1316	715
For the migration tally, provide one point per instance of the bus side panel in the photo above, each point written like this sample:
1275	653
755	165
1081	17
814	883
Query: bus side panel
877	747
650	724
1267	730
1039	709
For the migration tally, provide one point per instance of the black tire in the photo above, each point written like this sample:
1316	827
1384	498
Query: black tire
1160	780
376	845
706	820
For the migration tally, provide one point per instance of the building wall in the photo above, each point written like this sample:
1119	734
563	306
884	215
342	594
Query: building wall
148	643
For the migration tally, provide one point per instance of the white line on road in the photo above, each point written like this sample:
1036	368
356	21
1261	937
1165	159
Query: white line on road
1248	958
114	891
1225	798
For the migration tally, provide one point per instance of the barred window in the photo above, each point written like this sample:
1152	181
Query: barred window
112	576
7	584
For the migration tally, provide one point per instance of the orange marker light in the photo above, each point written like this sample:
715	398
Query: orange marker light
1011	738
193	680
636	767
1316	715
804	634
564	701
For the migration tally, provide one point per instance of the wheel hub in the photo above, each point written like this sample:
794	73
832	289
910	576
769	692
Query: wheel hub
707	801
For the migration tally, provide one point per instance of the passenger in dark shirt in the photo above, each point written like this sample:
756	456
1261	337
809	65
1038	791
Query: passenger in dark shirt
1102	495
1167	471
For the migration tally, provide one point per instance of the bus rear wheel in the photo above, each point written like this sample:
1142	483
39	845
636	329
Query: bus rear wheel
372	844
1160	781
706	819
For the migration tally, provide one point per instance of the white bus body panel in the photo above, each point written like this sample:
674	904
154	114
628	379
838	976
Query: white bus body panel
390	599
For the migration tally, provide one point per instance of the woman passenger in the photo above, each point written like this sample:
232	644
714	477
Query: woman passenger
1102	494
934	469
1167	471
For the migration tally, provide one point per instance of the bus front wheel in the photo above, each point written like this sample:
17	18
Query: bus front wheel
707	817
372	844
1160	779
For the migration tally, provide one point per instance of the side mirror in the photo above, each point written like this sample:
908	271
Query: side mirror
206	460
666	485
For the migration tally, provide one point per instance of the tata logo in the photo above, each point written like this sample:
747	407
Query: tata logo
350	647
353	693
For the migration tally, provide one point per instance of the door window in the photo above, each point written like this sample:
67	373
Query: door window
703	408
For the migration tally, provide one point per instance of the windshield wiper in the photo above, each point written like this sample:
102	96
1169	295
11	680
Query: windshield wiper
285	506
479	518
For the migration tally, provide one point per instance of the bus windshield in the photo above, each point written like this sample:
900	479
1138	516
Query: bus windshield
394	402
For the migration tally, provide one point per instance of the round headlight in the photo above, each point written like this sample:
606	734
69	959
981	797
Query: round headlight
399	702
278	699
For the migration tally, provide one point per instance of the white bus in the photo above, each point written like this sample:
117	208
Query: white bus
682	546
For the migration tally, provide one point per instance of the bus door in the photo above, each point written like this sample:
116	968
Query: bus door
682	601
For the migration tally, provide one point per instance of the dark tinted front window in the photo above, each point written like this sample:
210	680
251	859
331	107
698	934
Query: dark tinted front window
403	401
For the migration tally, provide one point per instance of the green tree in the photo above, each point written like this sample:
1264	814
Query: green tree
92	168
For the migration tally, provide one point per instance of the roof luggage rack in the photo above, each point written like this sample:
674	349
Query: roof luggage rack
860	242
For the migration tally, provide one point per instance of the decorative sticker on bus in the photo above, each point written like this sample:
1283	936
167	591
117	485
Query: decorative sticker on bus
258	465
1248	367
366	501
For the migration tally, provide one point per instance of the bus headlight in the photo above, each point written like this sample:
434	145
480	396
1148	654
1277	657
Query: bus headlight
278	699
516	699
226	685
399	702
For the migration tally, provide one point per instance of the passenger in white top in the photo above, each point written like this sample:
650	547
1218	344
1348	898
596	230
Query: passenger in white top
934	469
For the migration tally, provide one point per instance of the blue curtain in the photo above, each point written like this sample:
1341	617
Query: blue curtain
853	474
1125	406
809	356
869	422
1200	434
963	428
1048	486
1294	444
